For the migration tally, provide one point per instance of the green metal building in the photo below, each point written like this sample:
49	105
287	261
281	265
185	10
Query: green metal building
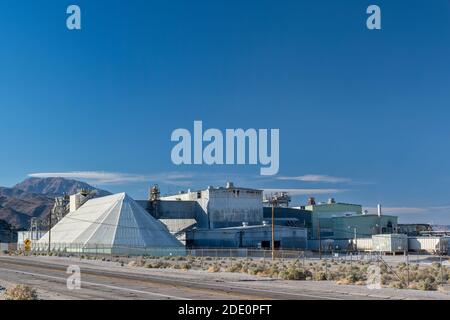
322	215
334	220
363	226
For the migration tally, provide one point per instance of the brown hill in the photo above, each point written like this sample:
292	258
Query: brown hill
34	198
55	186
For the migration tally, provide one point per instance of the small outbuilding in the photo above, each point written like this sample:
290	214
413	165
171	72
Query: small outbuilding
390	243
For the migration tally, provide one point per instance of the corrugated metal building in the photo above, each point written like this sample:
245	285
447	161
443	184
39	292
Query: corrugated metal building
414	229
291	217
363	225
322	215
248	237
224	207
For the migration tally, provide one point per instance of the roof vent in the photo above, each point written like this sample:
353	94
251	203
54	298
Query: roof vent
245	224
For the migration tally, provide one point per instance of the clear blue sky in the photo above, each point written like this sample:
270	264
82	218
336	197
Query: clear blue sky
370	108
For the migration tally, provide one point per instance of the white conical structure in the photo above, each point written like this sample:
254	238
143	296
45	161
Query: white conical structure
111	224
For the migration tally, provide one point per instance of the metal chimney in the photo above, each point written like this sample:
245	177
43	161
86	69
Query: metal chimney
379	210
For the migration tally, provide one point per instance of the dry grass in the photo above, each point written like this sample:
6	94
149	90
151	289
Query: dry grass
214	268
21	292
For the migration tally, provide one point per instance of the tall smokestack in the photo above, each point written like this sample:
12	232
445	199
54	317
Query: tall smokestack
379	210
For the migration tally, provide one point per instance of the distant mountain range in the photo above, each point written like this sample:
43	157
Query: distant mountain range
34	197
54	187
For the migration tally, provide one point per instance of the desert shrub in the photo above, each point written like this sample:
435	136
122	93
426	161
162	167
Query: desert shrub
319	276
397	284
182	266
294	273
186	266
436	265
355	275
214	268
401	266
157	265
237	267
176	258
427	285
21	292
132	263
256	270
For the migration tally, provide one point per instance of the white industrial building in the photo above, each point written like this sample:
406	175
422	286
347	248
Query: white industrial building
111	224
224	207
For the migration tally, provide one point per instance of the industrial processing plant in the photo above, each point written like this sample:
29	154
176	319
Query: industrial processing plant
245	151
228	217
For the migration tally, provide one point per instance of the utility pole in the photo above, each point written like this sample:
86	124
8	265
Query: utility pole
273	200
407	265
49	232
320	240
273	231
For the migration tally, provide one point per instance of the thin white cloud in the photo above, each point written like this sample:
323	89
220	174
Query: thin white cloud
111	178
316	178
302	192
